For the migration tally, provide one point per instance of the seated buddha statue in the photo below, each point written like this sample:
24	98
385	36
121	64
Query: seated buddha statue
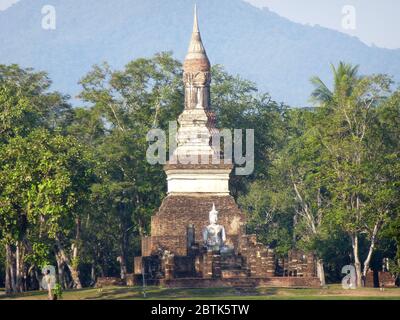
214	234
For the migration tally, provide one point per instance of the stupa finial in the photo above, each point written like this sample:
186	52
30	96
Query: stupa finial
196	49
195	22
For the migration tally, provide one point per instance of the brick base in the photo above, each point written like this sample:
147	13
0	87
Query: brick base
174	255
275	282
169	225
109	281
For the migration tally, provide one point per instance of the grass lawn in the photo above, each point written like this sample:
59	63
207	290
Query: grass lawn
333	292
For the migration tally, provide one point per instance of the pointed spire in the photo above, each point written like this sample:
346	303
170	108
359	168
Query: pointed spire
196	49
195	23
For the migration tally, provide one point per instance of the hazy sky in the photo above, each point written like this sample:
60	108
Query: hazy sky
377	21
5	4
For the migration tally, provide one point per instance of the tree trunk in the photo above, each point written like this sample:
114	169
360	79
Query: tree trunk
9	278
122	263
26	277
294	236
74	268
19	267
357	264
371	248
93	274
321	272
37	278
71	266
60	272
75	277
122	257
102	273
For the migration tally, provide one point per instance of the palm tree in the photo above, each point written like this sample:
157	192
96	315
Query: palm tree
345	77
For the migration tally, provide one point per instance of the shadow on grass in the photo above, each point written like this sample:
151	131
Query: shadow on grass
28	294
115	293
70	294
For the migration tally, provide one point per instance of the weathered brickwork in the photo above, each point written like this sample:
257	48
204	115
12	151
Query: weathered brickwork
252	264
172	255
259	258
380	280
146	246
109	281
173	243
280	282
177	212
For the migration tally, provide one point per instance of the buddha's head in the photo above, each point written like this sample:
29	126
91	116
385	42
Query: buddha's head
213	215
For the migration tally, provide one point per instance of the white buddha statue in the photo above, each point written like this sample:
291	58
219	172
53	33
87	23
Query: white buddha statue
214	234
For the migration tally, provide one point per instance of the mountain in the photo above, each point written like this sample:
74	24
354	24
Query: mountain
279	55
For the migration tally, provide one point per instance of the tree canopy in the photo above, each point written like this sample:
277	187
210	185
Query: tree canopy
76	190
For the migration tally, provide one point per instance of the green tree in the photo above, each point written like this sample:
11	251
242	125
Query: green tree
359	201
43	181
294	194
238	104
26	105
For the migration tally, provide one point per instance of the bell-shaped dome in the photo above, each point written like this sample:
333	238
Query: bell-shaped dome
196	58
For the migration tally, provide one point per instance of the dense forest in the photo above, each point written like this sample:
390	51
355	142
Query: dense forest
77	192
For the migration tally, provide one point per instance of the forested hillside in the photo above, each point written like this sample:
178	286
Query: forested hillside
275	53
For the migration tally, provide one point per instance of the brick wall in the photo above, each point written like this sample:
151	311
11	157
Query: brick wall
278	282
384	278
177	212
146	246
260	259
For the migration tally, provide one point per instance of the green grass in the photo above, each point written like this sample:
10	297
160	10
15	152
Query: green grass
333	292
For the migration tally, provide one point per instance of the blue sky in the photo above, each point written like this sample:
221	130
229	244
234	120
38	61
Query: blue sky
377	21
5	4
